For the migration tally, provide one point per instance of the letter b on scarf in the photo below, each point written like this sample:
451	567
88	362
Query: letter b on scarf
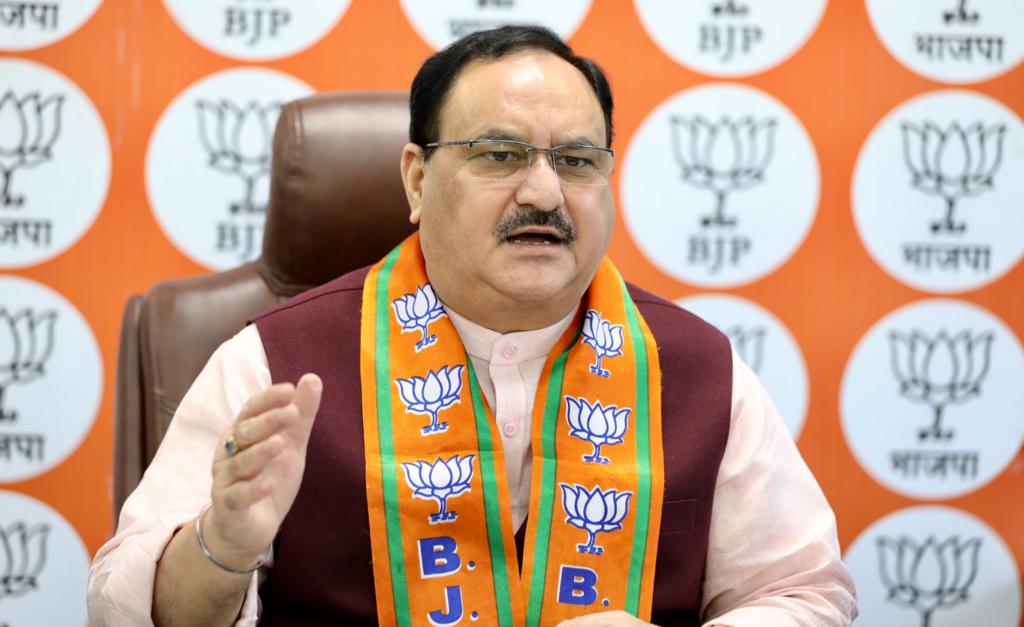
577	586
438	557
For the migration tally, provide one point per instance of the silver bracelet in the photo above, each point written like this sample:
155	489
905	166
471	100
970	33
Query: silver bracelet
213	560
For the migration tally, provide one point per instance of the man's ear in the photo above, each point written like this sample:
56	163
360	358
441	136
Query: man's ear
412	177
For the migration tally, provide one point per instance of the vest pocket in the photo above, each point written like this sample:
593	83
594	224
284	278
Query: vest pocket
678	516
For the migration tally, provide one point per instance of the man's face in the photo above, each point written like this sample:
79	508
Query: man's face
485	256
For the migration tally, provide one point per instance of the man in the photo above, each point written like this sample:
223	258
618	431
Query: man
504	432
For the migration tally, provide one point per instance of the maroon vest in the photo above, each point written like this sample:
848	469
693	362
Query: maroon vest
322	571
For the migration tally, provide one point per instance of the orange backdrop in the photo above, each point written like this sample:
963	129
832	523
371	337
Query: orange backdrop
132	59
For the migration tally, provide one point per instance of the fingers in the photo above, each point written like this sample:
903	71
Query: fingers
249	462
270	423
275	396
275	409
254	430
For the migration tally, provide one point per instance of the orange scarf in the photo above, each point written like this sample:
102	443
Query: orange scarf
440	519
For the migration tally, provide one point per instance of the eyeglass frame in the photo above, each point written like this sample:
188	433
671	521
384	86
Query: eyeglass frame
530	149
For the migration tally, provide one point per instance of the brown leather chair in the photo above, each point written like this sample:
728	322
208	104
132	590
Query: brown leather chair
336	204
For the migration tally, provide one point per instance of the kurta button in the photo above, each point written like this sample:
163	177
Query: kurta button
510	429
509	351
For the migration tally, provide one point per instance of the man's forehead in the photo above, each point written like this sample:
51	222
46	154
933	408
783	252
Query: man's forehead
493	98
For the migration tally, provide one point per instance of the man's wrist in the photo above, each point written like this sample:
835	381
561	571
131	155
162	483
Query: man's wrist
241	563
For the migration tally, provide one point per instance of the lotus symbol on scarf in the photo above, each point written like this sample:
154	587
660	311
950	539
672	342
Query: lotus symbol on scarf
29	126
238	141
431	394
26	343
594	511
938	371
954	163
22	557
596	424
722	157
929	576
440	481
416	311
603	337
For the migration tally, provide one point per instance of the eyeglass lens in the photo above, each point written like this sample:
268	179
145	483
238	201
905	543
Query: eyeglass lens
574	164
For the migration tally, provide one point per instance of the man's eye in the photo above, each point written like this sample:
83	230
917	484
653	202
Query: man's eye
500	156
574	161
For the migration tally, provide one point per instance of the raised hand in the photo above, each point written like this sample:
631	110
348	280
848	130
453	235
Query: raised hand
257	471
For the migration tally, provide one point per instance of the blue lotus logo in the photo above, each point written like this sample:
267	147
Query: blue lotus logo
596	424
603	337
431	394
440	481
594	511
415	312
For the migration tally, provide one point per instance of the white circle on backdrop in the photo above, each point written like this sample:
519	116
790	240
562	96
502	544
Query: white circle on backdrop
51	378
208	163
54	163
720	185
730	38
28	25
931	399
441	23
48	568
257	31
946	147
900	562
951	42
765	345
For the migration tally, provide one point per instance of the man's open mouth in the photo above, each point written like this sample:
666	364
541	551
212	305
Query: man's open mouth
536	237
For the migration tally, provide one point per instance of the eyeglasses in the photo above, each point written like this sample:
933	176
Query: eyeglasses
509	161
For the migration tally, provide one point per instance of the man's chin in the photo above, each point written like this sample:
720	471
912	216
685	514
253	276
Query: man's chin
537	285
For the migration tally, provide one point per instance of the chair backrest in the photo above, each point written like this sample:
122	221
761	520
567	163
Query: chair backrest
336	204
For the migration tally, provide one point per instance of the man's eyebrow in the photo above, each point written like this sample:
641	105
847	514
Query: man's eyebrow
580	140
499	135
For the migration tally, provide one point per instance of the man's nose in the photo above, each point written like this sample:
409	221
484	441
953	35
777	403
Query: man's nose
541	187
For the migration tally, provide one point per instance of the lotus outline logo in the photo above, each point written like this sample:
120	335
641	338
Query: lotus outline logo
29	127
723	157
748	344
940	370
605	338
26	343
415	312
954	163
22	558
594	511
440	481
928	576
238	140
596	424
432	394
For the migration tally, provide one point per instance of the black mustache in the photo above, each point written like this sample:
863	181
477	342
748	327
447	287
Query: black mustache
535	217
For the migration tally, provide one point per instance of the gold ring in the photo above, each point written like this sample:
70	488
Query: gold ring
231	444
